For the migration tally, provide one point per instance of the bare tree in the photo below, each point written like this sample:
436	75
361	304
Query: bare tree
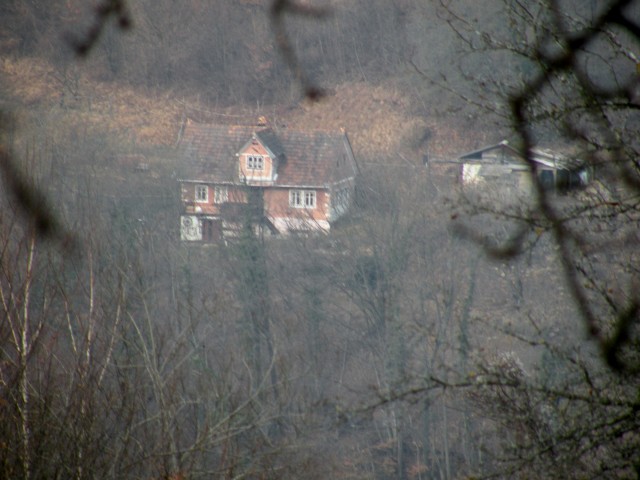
567	80
575	85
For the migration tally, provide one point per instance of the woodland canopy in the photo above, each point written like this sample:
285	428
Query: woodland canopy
435	333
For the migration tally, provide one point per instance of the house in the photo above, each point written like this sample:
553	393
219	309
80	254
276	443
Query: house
505	166
277	181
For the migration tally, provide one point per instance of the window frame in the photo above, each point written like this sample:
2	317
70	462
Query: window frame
255	163
198	193
295	198
309	198
306	199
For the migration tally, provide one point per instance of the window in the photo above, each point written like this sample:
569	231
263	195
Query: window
202	193
563	182
309	199
295	198
547	179
221	195
302	198
255	162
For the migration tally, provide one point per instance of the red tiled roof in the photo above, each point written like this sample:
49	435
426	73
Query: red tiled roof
310	158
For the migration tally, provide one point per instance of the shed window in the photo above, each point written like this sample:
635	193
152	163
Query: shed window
563	182
546	179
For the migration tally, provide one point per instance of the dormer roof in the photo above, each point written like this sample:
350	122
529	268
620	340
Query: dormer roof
270	141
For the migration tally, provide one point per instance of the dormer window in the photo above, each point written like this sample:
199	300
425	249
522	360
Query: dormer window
255	162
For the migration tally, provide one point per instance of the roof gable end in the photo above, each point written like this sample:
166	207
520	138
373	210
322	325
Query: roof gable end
269	141
480	153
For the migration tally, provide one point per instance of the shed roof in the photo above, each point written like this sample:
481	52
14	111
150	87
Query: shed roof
543	157
501	146
306	158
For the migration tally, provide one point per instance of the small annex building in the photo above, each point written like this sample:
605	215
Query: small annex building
277	180
505	166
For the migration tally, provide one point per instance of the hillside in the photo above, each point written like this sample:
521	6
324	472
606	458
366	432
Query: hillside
381	120
429	335
35	85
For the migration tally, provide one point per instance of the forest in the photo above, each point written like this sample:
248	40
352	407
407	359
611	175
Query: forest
434	333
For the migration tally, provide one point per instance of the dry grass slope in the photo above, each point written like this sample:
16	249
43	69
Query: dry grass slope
380	119
114	108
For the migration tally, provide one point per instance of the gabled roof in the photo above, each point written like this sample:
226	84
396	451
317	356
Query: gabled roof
308	158
501	146
506	152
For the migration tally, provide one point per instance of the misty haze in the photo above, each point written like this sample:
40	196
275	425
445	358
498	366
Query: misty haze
319	239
